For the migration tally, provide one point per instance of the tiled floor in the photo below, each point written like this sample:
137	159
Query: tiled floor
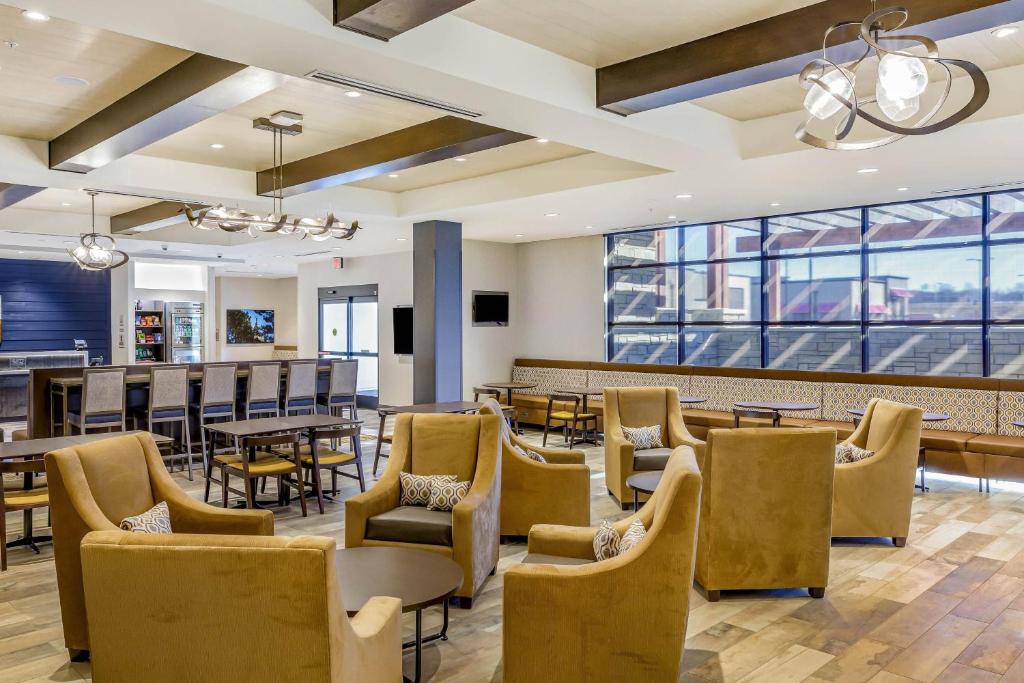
948	607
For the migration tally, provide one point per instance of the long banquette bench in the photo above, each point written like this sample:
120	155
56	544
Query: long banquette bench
979	440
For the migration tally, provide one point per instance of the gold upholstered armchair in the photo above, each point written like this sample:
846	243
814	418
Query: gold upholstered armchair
94	486
165	608
766	512
872	497
553	492
619	619
641	407
467	446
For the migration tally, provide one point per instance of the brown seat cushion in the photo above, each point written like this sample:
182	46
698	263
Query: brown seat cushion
538	558
708	418
651	459
1012	446
945	441
411	524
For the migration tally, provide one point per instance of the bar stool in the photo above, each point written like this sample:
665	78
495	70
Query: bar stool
102	401
263	390
509	411
300	390
382	438
26	500
341	393
287	471
168	403
570	420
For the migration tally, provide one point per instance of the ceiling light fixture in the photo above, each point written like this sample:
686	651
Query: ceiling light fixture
518	236
542	141
400	239
1005	31
277	221
672	217
776	204
902	189
902	78
65	203
97	252
551	215
216	145
72	81
392	175
460	158
35	15
866	171
353	93
684	196
588	227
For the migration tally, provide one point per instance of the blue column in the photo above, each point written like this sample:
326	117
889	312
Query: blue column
437	311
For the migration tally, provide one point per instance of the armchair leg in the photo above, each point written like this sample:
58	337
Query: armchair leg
899	541
817	593
714	596
78	655
462	602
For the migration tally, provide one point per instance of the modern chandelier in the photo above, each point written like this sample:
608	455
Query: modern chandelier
97	252
277	221
900	85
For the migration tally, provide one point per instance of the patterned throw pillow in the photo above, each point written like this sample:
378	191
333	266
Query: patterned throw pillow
643	438
847	453
529	453
634	534
445	495
156	520
415	488
606	542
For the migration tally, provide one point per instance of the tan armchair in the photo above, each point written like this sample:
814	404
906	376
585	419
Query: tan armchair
468	446
165	608
95	485
872	497
766	512
635	606
641	407
552	492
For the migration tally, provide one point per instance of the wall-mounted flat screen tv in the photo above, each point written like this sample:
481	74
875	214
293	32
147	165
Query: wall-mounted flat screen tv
250	326
403	330
490	309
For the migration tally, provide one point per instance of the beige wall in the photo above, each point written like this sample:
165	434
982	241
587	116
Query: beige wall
279	294
488	352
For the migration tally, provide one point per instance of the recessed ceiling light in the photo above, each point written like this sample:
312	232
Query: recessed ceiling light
902	189
10	44
73	81
392	175
259	275
20	252
460	158
216	145
400	239
551	215
865	171
672	217
354	93
542	141
34	15
776	204
65	203
684	196
518	236
1005	31
589	227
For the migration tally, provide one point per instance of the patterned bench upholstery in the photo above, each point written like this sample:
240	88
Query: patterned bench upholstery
979	439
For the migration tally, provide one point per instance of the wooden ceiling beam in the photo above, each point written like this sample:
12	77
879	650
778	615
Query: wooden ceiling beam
196	89
12	193
774	48
158	215
443	138
385	19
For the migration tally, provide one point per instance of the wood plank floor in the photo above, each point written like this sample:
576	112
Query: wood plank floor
947	607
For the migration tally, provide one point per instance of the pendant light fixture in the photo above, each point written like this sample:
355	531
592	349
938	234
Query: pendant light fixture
901	82
277	221
97	252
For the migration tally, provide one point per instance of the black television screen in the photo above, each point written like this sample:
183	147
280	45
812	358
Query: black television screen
249	326
490	308
403	330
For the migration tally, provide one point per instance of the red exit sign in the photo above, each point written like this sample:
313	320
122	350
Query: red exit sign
337	262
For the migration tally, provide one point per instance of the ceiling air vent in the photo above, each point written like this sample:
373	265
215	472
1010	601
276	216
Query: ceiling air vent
981	188
340	81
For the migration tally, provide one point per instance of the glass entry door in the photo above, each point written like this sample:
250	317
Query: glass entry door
348	329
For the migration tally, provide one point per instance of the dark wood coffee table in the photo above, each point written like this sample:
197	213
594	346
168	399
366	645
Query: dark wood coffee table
416	577
643	482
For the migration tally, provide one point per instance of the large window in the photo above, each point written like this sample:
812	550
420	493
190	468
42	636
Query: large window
930	288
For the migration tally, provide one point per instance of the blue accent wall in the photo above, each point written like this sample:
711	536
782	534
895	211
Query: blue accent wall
48	304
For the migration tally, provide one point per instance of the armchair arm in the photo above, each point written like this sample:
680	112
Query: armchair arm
378	618
563	541
189	516
679	435
375	652
358	509
555	456
618	456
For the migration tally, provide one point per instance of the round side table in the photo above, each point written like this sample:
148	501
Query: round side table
643	482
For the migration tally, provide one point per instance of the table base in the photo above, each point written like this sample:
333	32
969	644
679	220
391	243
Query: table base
421	639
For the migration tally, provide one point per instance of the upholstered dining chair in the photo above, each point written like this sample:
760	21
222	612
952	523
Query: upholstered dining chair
261	608
282	463
508	411
341	392
168	404
263	390
103	404
300	389
556	491
94	486
872	497
641	407
467	446
766	510
634	606
383	437
572	421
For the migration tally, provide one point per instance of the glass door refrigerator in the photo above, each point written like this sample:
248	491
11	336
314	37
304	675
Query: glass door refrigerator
185	339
